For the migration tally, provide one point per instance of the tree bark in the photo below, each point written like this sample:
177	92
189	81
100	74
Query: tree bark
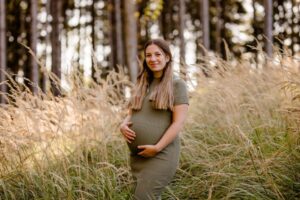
255	30
166	19
45	77
119	41
205	23
79	28
3	87
218	28
34	70
116	57
293	26
93	35
131	39
268	27
56	45
181	29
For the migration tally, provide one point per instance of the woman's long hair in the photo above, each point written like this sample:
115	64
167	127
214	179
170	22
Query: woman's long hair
162	95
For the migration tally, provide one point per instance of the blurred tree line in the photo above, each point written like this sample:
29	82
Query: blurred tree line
114	31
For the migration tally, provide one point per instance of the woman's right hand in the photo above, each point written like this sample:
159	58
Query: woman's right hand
127	132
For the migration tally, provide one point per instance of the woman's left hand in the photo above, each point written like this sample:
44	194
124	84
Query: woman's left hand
148	150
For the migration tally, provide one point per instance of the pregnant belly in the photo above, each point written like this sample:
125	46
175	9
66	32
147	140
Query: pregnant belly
146	133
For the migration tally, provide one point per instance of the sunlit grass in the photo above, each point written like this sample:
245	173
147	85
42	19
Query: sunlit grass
240	141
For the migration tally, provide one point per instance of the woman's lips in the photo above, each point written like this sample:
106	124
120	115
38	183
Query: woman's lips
153	64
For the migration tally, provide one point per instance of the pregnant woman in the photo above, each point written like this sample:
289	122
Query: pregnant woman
157	111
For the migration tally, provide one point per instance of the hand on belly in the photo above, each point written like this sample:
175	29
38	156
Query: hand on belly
145	135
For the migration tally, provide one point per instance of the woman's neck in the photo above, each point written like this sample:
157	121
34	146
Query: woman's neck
157	74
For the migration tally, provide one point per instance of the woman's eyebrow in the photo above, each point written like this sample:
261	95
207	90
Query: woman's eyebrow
153	52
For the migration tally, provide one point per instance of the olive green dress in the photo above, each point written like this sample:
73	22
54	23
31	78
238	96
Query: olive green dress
153	174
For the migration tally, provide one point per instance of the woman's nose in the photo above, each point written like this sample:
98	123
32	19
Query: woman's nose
152	58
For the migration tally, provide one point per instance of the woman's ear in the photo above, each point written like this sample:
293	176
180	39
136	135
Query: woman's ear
168	59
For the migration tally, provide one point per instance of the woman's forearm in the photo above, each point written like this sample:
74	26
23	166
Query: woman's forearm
179	116
127	118
169	135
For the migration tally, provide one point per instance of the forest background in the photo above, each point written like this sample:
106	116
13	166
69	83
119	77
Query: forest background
66	69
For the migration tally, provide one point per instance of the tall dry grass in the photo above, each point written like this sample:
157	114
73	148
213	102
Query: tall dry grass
241	139
65	147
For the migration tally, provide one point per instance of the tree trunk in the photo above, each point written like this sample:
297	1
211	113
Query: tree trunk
218	28
293	26
181	29
47	43
131	39
116	34
3	87
79	28
112	35
268	27
56	45
205	23
255	30
93	35
166	19
205	39
34	70
119	41
223	20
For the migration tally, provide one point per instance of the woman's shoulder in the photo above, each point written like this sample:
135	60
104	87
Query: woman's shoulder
177	81
180	91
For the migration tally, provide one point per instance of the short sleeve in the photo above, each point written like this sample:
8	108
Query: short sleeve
180	92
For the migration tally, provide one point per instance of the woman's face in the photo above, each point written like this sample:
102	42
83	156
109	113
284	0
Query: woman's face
156	59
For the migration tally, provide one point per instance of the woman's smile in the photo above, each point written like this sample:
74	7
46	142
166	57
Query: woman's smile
154	64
